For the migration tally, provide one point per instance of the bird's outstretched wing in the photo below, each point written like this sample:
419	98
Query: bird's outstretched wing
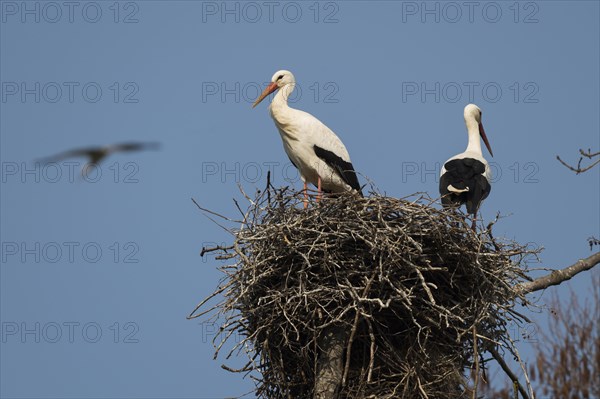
344	169
94	154
133	146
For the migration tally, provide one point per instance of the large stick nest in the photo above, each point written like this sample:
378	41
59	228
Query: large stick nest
402	283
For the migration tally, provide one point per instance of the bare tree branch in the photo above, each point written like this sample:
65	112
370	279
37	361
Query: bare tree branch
558	276
508	372
579	169
589	154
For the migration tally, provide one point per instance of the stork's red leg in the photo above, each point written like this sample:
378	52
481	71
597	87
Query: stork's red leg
305	196
474	223
319	191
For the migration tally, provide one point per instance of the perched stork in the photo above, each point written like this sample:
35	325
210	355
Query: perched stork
315	150
465	178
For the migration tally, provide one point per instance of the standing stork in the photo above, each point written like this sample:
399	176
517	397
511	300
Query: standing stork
465	178
315	150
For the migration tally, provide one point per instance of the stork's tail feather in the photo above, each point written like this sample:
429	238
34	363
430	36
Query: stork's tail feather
453	189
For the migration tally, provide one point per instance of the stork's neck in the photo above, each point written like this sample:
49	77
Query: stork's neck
474	137
281	97
280	110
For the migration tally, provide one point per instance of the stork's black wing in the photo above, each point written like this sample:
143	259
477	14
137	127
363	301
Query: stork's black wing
344	169
462	174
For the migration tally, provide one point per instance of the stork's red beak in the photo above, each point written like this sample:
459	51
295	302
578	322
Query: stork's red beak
270	89
485	140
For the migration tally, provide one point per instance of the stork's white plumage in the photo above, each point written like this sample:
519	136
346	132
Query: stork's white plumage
313	148
465	178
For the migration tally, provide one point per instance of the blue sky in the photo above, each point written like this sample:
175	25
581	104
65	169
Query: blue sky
102	273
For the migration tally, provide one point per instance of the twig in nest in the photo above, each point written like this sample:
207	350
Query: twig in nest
476	359
353	332
206	250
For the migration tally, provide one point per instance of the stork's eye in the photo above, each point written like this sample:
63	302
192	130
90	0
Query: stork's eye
280	77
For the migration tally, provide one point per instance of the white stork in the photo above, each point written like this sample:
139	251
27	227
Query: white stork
315	150
465	178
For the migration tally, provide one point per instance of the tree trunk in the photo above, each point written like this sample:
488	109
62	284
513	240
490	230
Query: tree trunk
330	366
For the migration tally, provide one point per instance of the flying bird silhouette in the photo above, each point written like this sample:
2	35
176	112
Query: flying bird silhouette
96	155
